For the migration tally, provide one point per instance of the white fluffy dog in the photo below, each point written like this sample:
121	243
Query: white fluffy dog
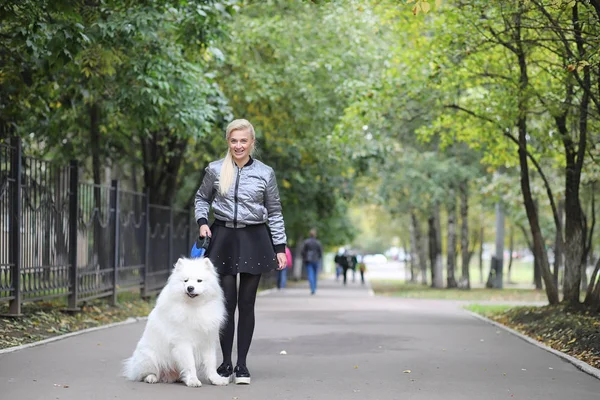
182	332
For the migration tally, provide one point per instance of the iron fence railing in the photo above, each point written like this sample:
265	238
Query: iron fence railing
64	238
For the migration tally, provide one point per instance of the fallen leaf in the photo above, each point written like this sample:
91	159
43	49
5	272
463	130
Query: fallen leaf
407	371
356	367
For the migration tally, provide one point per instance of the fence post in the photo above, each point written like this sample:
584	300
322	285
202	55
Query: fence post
145	284
73	225
15	227
115	206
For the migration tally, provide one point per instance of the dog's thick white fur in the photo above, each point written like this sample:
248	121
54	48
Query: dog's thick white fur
182	332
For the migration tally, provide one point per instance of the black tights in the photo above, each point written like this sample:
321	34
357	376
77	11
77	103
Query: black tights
244	299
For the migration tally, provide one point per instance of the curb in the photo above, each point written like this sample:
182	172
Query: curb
71	334
595	372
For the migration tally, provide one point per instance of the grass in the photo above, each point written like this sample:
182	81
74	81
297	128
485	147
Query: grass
418	291
572	331
43	320
488	310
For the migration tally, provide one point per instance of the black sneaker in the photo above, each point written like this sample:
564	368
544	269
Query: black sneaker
225	370
242	375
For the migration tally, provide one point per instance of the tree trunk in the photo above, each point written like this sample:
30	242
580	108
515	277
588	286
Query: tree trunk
511	242
558	247
100	249
435	252
575	236
414	255
408	264
537	273
452	242
592	296
532	216
498	281
481	254
419	248
163	155
464	234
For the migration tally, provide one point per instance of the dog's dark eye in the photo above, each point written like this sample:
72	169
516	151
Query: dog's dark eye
199	280
186	280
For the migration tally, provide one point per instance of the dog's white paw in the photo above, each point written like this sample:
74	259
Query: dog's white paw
193	382
151	379
219	380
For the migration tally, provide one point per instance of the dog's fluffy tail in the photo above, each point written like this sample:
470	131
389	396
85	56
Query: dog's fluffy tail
128	371
137	367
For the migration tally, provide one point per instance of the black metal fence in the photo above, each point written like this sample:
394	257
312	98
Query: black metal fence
64	238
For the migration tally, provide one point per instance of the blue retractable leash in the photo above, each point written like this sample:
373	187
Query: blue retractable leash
199	247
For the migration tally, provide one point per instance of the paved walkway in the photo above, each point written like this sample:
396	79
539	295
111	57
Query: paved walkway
341	343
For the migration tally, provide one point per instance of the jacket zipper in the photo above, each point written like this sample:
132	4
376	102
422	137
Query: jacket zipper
235	197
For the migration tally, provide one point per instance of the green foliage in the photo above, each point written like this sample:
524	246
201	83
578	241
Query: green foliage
291	70
352	100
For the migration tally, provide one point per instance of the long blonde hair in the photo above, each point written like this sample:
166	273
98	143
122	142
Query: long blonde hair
227	170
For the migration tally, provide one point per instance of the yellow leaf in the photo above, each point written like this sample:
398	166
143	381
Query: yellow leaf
410	1
572	341
286	184
438	3
407	371
425	6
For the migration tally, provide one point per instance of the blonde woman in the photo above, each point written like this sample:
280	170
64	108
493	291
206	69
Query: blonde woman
247	236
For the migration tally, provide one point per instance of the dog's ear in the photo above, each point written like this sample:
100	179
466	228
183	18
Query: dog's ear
208	264
178	265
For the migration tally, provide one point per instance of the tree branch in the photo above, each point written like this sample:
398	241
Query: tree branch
538	167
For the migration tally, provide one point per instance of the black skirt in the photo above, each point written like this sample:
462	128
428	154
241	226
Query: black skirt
241	250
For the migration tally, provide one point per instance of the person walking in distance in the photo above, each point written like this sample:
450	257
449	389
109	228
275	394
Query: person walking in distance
344	259
312	254
282	273
247	236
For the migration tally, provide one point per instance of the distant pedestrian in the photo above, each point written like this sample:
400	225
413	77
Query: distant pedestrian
345	260
312	254
282	273
338	264
353	262
362	268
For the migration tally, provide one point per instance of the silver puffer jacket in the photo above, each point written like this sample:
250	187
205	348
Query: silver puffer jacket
252	199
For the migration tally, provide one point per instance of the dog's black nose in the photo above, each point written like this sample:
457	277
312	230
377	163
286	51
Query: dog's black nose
190	289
